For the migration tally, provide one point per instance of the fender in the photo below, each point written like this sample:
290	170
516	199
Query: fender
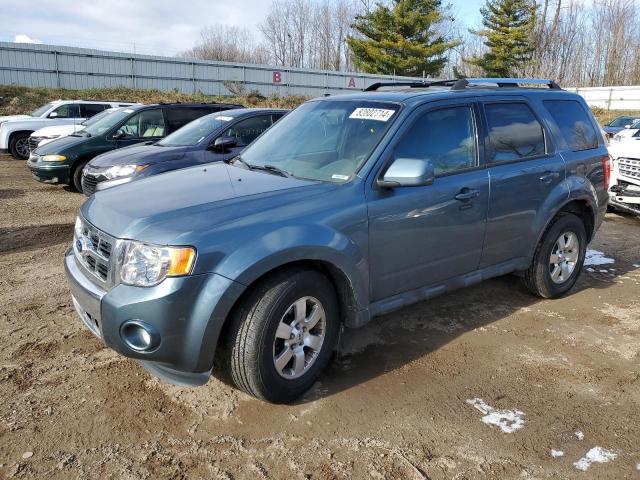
573	188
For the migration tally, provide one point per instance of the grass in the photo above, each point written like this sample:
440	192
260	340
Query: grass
16	100
19	100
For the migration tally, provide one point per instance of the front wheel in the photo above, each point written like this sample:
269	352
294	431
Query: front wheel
19	146
76	177
283	335
559	258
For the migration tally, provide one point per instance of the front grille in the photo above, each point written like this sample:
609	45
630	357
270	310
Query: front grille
33	143
89	183
629	167
93	249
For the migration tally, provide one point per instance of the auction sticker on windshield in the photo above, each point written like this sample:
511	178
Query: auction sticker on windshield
224	119
380	114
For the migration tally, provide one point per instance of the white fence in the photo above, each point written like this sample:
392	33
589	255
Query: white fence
35	65
611	98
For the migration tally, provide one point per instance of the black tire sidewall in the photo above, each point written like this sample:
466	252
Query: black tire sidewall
76	176
12	145
277	388
565	223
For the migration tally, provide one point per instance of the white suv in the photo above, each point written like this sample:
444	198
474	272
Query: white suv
15	129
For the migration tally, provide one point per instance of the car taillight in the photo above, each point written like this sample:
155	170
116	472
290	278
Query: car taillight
606	170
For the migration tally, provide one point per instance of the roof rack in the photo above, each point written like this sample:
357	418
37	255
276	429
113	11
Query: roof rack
423	84
461	84
504	82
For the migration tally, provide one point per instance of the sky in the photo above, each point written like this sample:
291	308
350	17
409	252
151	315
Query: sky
159	27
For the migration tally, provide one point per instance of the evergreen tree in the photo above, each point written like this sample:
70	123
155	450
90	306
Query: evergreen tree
508	26
402	38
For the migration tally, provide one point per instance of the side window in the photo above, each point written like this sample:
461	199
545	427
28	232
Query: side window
69	110
149	123
514	132
445	136
246	131
574	124
179	117
276	116
88	110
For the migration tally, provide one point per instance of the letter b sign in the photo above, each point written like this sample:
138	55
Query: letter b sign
277	77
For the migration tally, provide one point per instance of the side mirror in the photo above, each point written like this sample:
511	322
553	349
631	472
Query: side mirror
408	172
119	134
53	115
222	144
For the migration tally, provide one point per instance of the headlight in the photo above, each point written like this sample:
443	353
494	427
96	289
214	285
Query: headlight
119	171
54	158
145	265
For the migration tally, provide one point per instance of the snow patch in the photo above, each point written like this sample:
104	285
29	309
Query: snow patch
596	257
557	453
579	435
506	420
636	265
595	455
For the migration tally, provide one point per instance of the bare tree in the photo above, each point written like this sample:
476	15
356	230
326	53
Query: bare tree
228	43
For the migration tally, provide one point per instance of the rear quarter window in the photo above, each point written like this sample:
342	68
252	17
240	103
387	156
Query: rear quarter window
574	124
514	132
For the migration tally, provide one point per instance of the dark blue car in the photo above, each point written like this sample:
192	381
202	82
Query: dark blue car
215	137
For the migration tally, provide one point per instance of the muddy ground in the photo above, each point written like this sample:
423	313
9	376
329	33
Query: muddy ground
481	383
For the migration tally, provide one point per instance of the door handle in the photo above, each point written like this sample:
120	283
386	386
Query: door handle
467	194
549	176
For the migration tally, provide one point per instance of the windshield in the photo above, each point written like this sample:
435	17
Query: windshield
39	111
196	131
325	140
97	117
106	123
622	121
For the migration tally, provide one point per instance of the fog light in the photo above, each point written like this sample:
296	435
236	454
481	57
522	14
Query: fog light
139	336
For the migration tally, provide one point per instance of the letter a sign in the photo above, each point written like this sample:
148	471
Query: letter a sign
351	83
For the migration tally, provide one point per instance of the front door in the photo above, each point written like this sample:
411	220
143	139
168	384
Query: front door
421	236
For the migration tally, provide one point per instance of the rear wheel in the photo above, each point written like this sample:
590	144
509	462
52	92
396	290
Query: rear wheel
76	177
19	146
559	258
282	335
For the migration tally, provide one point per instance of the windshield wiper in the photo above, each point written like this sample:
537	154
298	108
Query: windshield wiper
265	168
273	169
80	133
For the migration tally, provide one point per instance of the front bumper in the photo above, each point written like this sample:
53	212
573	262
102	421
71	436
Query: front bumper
181	309
49	172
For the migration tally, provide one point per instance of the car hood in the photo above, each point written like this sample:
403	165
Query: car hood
629	148
61	145
7	118
57	130
138	154
183	207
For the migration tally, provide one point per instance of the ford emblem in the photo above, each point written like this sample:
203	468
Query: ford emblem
79	245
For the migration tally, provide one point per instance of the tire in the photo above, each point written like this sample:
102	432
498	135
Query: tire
543	277
252	346
19	146
76	177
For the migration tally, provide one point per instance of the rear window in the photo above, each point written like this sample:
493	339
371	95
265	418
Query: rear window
574	124
514	132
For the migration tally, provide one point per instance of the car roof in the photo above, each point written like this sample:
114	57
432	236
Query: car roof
418	92
60	101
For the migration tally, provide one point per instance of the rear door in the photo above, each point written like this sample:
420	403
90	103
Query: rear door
523	168
421	236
